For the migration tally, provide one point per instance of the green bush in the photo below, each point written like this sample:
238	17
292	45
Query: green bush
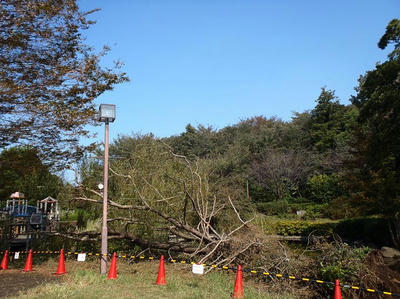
303	228
369	229
323	188
71	216
339	208
332	272
366	229
313	210
273	207
298	200
343	262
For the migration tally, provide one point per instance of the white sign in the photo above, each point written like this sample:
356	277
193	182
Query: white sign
81	257
198	269
16	255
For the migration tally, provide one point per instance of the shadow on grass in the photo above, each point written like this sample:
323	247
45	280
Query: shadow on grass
13	281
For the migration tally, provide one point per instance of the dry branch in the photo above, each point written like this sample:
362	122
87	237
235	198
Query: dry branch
193	225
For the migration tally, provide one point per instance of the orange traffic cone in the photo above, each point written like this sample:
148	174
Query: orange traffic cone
112	274
161	273
4	262
28	265
338	292
61	264
238	290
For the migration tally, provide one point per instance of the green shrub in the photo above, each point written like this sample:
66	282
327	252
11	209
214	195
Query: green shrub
313	210
366	229
332	272
273	207
342	262
71	216
298	200
303	228
323	188
339	208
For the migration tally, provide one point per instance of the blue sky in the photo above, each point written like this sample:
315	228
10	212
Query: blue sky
214	62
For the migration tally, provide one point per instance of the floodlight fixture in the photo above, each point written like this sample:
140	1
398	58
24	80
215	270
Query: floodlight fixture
107	113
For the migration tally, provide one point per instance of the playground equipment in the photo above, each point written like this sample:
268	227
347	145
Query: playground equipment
21	223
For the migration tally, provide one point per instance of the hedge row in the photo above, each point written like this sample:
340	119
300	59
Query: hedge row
366	229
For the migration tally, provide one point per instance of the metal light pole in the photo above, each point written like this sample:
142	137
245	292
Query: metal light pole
104	231
106	115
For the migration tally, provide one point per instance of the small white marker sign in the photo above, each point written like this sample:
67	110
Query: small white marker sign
81	257
16	256
198	269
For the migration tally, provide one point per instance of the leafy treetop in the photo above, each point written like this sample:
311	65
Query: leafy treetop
48	77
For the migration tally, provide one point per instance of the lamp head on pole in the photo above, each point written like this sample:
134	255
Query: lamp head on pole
106	113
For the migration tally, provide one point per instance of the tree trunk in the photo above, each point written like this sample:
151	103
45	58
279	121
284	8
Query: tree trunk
394	228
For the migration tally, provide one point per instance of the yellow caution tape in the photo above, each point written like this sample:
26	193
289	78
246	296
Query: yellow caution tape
213	266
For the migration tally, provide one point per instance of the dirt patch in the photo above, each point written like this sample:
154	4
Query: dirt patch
14	281
381	277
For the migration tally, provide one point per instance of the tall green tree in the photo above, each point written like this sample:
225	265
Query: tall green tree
195	142
22	170
376	187
330	122
391	36
378	99
49	77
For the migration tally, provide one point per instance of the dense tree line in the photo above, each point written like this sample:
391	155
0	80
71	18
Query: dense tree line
276	159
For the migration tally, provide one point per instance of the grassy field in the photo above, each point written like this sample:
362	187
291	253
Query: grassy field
134	281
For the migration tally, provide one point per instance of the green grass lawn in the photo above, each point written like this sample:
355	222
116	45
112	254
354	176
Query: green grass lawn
138	281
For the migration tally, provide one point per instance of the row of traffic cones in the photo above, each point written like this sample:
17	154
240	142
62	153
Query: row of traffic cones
61	264
29	263
238	291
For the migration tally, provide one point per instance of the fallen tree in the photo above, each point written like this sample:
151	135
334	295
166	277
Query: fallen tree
162	200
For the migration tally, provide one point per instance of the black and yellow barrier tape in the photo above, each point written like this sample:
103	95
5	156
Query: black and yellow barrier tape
234	269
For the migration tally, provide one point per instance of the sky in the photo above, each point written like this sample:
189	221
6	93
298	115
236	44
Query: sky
215	62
